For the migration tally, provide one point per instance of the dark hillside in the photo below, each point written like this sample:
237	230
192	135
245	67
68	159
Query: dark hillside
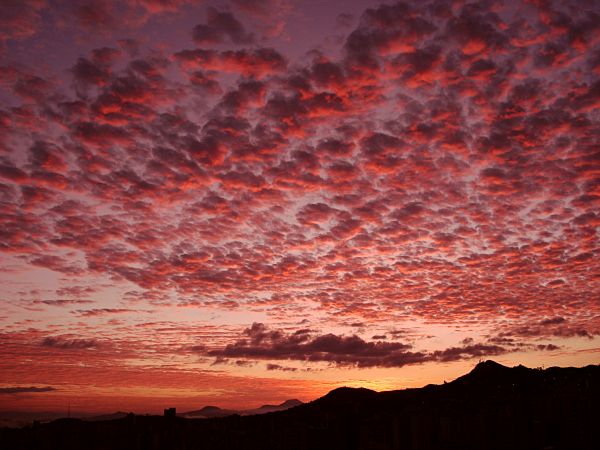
492	407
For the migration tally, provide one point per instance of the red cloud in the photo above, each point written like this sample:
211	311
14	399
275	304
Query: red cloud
439	166
259	62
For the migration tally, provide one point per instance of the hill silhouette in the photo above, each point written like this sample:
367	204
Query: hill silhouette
491	407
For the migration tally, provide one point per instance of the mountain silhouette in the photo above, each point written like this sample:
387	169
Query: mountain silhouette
492	407
291	403
209	412
272	408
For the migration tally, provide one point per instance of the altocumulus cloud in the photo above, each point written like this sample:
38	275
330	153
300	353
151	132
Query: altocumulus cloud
437	165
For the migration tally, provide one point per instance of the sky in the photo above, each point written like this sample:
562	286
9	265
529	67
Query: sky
241	202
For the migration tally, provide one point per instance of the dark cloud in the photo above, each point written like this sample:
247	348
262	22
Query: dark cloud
86	72
102	311
344	20
261	9
303	345
477	29
20	19
553	321
21	390
62	302
468	351
95	15
221	27
69	344
271	366
204	82
315	213
547	347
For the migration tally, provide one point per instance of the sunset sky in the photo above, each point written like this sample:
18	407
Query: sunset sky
240	202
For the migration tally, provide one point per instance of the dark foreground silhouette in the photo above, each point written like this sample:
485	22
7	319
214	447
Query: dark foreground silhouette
492	407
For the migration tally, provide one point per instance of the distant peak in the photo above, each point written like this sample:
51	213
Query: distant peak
352	389
489	365
346	392
211	408
291	403
285	405
267	406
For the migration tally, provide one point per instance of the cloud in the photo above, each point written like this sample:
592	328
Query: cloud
271	366
273	15
221	27
468	351
100	16
21	390
258	62
88	73
20	19
258	8
553	321
68	344
62	302
102	311
259	342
